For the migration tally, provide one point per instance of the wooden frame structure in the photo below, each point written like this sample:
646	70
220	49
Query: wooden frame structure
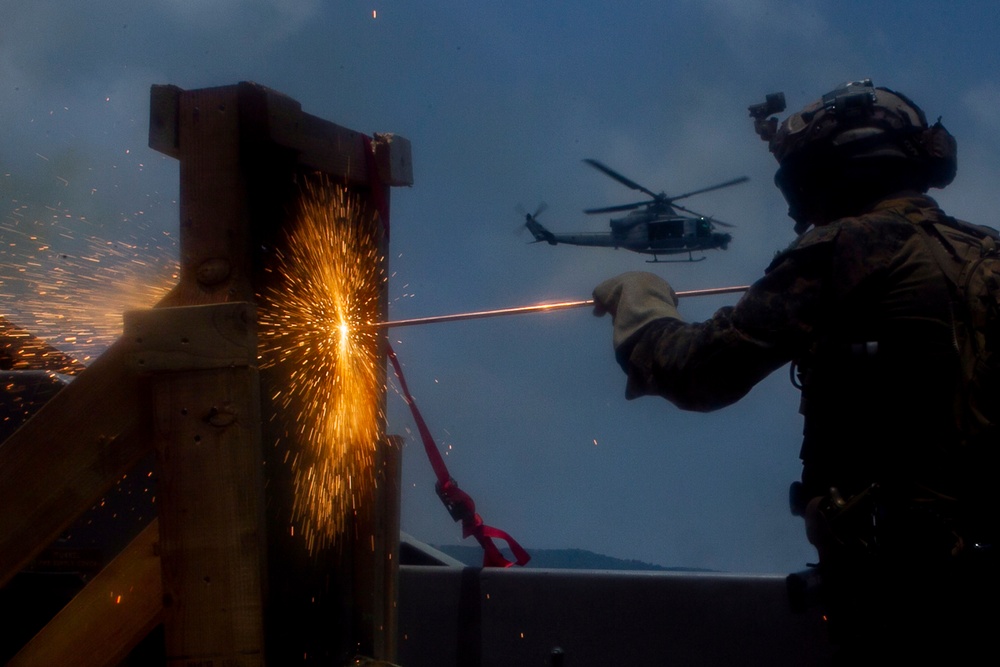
218	568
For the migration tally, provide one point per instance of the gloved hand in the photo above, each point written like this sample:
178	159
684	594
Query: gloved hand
634	299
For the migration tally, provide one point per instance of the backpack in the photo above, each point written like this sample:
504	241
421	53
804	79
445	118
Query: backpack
969	257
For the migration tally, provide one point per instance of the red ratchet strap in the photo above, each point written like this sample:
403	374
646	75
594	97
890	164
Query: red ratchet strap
459	504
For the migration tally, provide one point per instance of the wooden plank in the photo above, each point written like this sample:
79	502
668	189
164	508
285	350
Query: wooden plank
109	617
215	256
206	412
376	532
163	118
211	515
67	455
191	337
394	159
335	150
386	554
318	144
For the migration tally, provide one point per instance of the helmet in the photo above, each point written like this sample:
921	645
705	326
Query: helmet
855	144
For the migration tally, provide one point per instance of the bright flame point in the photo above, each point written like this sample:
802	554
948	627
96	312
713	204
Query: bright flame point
329	281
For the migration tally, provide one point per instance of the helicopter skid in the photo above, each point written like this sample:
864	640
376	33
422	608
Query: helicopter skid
657	260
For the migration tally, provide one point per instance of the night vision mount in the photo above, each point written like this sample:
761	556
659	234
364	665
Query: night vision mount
764	121
851	99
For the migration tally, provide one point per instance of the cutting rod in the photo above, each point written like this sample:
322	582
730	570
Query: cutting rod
538	308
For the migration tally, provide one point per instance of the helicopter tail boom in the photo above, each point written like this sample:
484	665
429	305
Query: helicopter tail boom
539	232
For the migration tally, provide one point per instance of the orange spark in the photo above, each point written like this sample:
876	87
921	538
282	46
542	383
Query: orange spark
329	281
64	283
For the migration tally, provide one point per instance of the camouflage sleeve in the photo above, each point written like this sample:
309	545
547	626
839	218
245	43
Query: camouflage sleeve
707	365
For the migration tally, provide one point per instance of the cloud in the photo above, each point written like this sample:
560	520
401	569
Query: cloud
983	104
752	18
270	19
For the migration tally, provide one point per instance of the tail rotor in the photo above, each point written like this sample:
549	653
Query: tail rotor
532	225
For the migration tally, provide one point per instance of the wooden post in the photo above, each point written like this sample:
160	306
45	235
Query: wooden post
380	519
242	149
206	414
236	587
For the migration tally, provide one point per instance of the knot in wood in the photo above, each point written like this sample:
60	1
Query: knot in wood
213	271
221	417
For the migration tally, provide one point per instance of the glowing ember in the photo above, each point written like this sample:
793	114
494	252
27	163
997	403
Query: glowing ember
69	287
328	282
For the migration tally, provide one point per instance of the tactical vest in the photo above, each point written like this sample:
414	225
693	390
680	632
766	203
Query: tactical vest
969	257
936	447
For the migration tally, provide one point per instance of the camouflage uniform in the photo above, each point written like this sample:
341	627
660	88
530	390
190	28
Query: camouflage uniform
842	296
862	309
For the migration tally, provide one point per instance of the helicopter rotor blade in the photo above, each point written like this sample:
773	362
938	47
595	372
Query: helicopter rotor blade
721	223
717	186
608	171
620	207
712	220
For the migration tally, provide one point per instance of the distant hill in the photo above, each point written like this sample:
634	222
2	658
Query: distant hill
562	559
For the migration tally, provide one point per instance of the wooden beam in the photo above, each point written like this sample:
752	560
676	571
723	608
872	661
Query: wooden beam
164	133
376	557
278	119
67	455
393	159
109	617
206	410
216	251
191	337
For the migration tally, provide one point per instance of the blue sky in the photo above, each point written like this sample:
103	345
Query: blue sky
502	101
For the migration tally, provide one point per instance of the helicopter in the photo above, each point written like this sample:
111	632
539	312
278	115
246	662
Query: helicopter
653	227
